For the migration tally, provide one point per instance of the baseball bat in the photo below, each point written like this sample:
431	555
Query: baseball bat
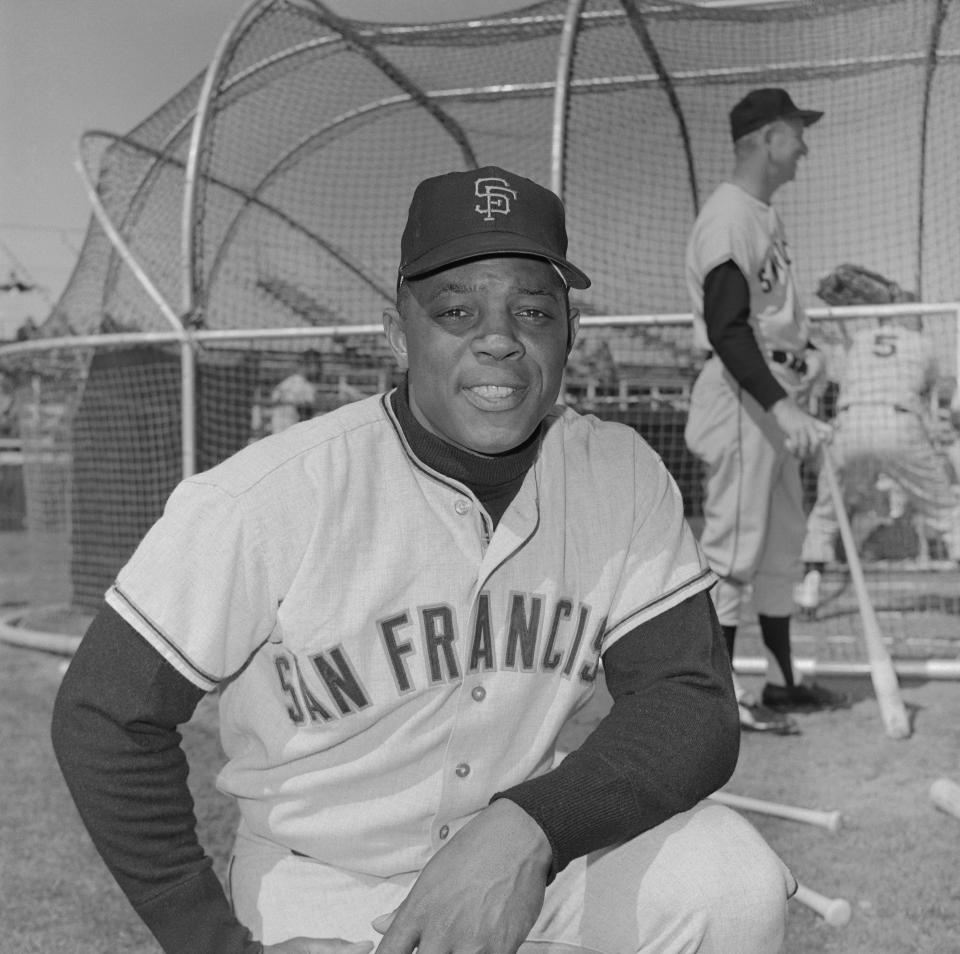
835	911
882	673
945	794
828	820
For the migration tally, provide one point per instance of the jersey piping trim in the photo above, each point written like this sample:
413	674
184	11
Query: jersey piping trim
462	488
408	450
703	580
165	645
202	479
416	462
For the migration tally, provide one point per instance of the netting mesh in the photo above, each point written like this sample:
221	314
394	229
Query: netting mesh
312	144
308	148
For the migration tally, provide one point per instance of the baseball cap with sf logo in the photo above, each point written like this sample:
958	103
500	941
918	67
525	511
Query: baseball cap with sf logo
480	213
762	106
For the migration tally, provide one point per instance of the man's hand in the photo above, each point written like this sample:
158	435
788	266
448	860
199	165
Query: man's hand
813	381
943	427
480	894
325	945
816	367
803	433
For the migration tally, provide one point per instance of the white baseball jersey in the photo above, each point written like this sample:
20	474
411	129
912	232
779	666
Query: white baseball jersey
735	226
888	365
886	372
385	663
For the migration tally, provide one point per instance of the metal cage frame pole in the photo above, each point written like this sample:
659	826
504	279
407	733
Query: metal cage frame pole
188	353
561	98
639	26
191	178
187	356
358	42
930	69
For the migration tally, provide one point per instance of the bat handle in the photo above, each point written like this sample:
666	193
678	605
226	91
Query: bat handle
829	820
945	794
835	911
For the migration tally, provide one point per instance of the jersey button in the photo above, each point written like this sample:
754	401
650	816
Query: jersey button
444	831
478	693
462	506
462	770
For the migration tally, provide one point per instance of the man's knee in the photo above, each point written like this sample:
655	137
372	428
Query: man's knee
732	896
702	881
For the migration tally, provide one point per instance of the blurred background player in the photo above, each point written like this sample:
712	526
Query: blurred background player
293	399
747	419
883	426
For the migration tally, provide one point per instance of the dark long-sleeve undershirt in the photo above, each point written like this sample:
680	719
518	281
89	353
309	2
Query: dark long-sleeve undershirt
726	313
115	736
671	738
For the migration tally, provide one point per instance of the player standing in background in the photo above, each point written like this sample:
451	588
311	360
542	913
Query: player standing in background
747	419
293	399
882	426
400	604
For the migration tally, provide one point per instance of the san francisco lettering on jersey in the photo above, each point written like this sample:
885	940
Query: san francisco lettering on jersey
424	648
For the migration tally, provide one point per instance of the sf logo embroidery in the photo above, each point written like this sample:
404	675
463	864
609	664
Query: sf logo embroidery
496	195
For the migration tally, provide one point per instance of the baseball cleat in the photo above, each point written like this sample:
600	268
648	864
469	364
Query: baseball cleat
807	595
805	697
758	718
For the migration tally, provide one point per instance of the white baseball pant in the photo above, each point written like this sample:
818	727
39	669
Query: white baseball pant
754	519
703	881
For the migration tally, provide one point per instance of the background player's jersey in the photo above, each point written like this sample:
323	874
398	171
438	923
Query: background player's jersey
888	365
371	701
735	226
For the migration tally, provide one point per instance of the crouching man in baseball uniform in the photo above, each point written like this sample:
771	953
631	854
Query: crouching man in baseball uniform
399	605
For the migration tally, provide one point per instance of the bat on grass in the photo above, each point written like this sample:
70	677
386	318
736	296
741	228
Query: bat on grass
835	911
828	820
882	673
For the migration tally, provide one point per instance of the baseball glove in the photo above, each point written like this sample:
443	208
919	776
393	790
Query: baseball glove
851	284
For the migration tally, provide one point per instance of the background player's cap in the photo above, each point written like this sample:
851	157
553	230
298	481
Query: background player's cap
460	216
762	106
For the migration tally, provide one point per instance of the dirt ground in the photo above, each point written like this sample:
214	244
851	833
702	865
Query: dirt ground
894	858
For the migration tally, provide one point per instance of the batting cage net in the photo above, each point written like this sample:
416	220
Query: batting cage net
245	240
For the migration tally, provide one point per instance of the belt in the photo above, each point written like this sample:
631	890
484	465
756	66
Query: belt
899	408
792	361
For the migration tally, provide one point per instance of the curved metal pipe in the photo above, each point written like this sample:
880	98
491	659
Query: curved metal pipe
252	199
397	76
123	250
226	44
636	20
561	97
188	392
931	68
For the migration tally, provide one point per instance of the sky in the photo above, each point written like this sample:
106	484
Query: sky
68	66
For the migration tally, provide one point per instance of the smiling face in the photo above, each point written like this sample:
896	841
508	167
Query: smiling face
485	343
